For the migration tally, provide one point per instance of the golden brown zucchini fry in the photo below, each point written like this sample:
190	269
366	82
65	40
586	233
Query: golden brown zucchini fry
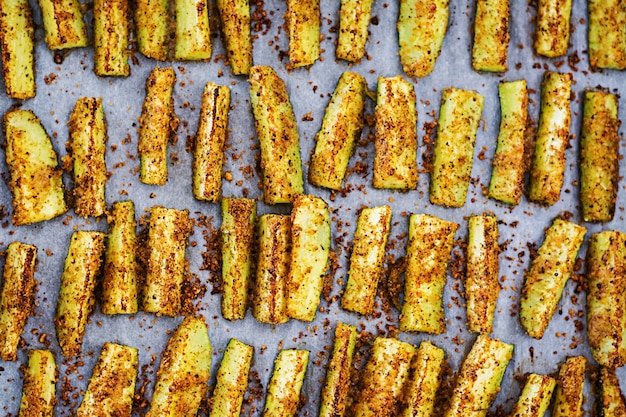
354	19
39	389
232	380
17	296
111	31
568	397
193	35
88	138
609	398
63	23
303	24
607	34
208	154
552	31
76	295
535	397
35	178
426	376
278	136
152	22
283	391
491	36
17	37
235	17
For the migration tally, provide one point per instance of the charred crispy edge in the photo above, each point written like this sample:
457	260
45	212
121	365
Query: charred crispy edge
76	294
606	297
17	36
184	371
548	274
478	382
235	17
422	27
119	282
237	241
341	127
208	155
421	389
383	377
64	24
283	391
303	19
535	396
335	390
153	22
369	243
491	36
354	20
168	233
395	163
270	305
17	296
30	158
509	164
548	166
482	285
599	156
157	124
232	379
111	32
310	250
568	398
278	136
552	31
88	138
428	254
610	401
112	384
39	390
607	34
193	34
459	117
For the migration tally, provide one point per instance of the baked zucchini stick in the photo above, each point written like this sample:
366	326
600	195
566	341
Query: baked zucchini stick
232	380
235	17
111	31
157	124
270	304
39	390
310	249
395	163
17	37
606	297
568	398
208	154
335	390
421	389
165	272
237	241
384	376
193	35
119	282
278	136
454	149
535	397
152	22
509	163
609	399
482	286
478	382
548	274
491	36
76	294
422	25
367	259
303	22
185	369
88	138
35	177
112	384
354	20
283	391
552	31
607	34
428	254
599	157
548	166
17	296
341	127
63	23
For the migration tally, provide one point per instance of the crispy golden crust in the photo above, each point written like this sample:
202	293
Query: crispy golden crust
354	20
283	391
39	389
607	34
535	397
232	380
64	24
152	22
17	39
193	34
420	392
335	390
610	400
235	17
303	24
568	398
111	33
491	36
552	32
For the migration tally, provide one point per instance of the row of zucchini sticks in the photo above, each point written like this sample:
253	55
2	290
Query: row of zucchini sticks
421	29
